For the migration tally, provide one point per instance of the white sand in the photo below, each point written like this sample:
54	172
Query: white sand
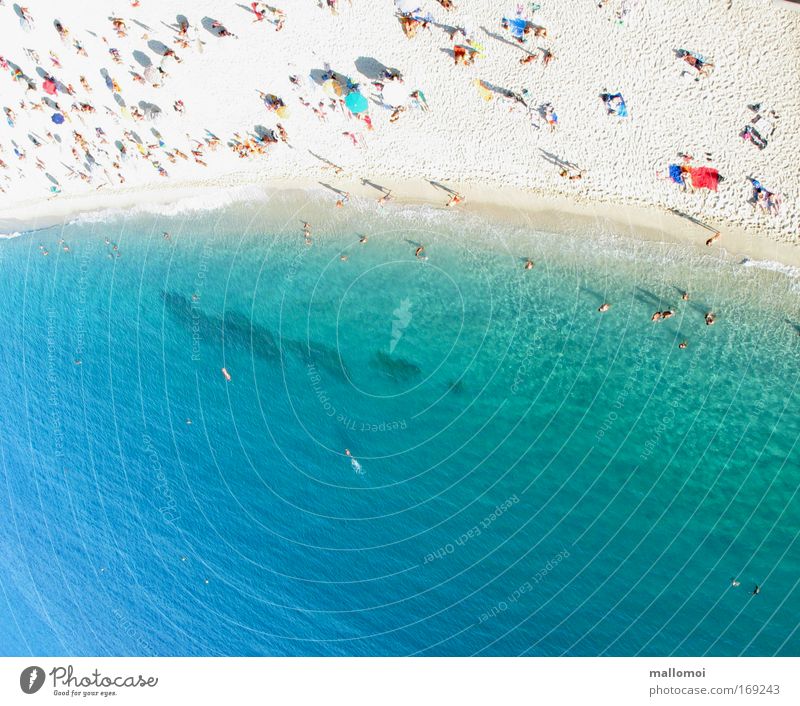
485	149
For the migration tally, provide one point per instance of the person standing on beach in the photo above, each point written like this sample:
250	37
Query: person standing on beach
259	15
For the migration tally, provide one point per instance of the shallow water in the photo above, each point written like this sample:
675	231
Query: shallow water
532	477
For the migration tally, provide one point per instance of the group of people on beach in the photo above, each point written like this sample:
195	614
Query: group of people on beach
95	157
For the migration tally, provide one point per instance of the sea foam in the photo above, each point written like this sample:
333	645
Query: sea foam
210	200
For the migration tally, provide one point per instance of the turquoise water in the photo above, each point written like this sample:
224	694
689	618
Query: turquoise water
531	477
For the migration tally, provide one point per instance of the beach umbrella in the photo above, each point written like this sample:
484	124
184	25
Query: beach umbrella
57	118
394	94
406	7
355	102
49	86
469	26
168	63
151	74
517	27
477	48
486	94
332	88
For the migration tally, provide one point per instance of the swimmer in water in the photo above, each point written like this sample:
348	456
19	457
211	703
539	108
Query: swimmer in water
166	235
656	317
682	345
363	239
353	462
735	583
667	314
419	253
710	319
604	307
188	421
685	296
455	199
528	264
343	258
757	590
226	374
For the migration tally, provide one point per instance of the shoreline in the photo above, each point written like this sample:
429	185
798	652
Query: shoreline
557	213
128	141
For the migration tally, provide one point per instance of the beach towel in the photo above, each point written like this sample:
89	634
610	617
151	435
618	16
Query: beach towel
675	173
705	178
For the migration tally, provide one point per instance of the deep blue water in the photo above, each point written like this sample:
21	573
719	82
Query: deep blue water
536	478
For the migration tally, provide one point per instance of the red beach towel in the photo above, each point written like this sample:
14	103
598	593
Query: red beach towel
705	178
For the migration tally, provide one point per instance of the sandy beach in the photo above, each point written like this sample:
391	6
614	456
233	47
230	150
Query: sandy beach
490	142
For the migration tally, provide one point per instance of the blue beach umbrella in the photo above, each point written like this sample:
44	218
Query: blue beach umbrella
517	26
57	118
355	102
